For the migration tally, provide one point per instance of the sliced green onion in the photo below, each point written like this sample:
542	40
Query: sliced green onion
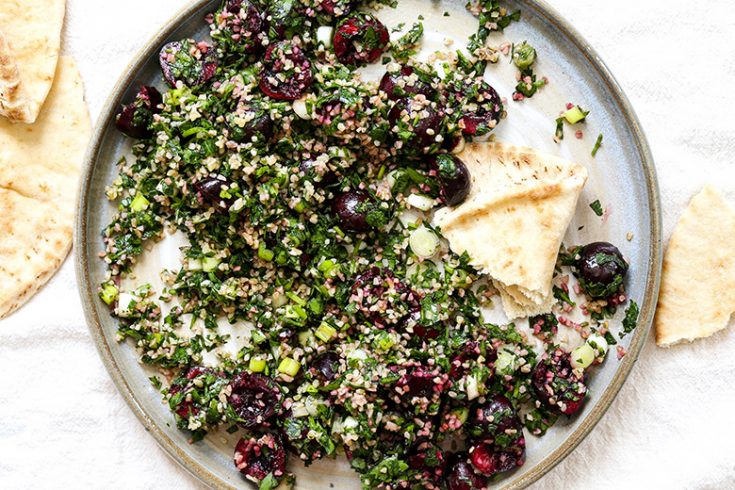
597	146
315	306
423	242
385	341
575	114
325	332
523	55
326	266
306	339
264	253
505	364
583	356
209	264
257	365
109	293
258	337
300	207
139	203
289	366
295	298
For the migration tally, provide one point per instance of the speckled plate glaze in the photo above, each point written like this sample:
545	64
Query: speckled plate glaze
622	176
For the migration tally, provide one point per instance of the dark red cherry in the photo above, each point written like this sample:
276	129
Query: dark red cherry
258	456
286	73
360	39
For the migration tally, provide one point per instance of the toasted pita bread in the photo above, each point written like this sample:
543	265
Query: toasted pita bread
30	40
39	172
513	221
697	294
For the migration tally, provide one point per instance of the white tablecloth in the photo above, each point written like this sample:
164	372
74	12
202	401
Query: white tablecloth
63	424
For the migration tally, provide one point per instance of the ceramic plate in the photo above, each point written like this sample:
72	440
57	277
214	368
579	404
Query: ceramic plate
621	177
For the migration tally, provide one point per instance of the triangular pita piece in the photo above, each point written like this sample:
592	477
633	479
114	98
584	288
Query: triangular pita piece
697	294
30	40
39	174
513	221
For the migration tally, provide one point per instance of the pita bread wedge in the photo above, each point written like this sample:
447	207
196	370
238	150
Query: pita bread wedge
697	294
513	221
39	171
30	40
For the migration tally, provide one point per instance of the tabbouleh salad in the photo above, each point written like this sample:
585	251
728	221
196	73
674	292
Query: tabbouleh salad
292	178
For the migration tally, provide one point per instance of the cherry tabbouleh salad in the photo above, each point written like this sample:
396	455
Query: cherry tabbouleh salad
305	194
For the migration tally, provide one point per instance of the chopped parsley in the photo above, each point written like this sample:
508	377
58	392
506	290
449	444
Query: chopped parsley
630	322
597	207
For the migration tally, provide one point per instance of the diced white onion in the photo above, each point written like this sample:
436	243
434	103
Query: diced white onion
419	201
324	35
123	303
358	354
423	242
598	343
299	411
472	389
299	107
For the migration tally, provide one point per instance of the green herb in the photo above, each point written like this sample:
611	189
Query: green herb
563	296
630	322
268	483
492	17
597	146
155	382
559	133
610	339
597	207
528	85
407	45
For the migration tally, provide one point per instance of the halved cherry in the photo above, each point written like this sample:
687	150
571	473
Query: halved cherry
494	420
187	61
462	476
241	25
135	118
250	123
258	456
360	39
286	73
255	398
405	83
559	386
490	460
481	105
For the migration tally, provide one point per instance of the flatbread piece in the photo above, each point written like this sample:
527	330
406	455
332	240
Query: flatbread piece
30	40
513	221
39	173
697	294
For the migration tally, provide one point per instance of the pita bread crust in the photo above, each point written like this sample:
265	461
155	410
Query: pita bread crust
39	173
513	221
29	51
697	294
10	105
